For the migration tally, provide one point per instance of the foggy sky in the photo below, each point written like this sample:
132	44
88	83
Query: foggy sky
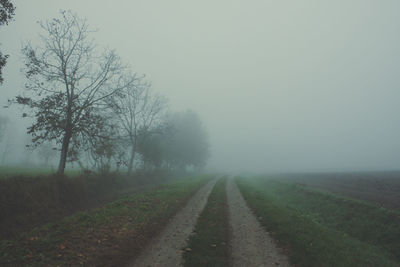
280	85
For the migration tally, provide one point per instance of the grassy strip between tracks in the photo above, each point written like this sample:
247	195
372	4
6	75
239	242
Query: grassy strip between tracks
208	245
107	236
318	228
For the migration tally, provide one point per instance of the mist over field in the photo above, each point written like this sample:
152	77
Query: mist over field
278	85
199	133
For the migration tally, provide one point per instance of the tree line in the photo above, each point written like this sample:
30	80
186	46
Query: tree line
97	112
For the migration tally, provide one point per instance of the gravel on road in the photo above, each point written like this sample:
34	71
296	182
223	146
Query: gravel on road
251	245
166	249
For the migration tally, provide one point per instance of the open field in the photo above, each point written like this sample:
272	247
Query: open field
109	235
382	188
318	228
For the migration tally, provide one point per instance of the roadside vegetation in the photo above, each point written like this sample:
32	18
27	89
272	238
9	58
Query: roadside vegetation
12	171
318	228
30	201
107	236
209	244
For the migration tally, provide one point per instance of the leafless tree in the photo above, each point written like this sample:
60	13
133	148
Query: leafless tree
69	81
137	112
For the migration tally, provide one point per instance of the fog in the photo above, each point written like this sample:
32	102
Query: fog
280	85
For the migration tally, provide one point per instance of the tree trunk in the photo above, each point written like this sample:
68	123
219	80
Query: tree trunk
64	151
132	158
67	136
66	140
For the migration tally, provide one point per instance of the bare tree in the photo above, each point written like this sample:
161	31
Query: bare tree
69	81
138	111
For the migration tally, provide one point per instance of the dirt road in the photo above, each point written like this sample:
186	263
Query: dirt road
250	244
165	250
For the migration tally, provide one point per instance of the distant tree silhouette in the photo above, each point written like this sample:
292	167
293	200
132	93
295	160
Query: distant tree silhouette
189	144
181	142
138	114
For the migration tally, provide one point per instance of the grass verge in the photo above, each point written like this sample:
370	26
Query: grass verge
107	236
27	202
209	245
322	229
10	171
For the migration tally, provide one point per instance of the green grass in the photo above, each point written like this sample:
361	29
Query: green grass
322	229
110	235
209	243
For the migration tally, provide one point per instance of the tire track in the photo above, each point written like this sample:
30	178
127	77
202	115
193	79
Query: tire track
165	249
250	244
